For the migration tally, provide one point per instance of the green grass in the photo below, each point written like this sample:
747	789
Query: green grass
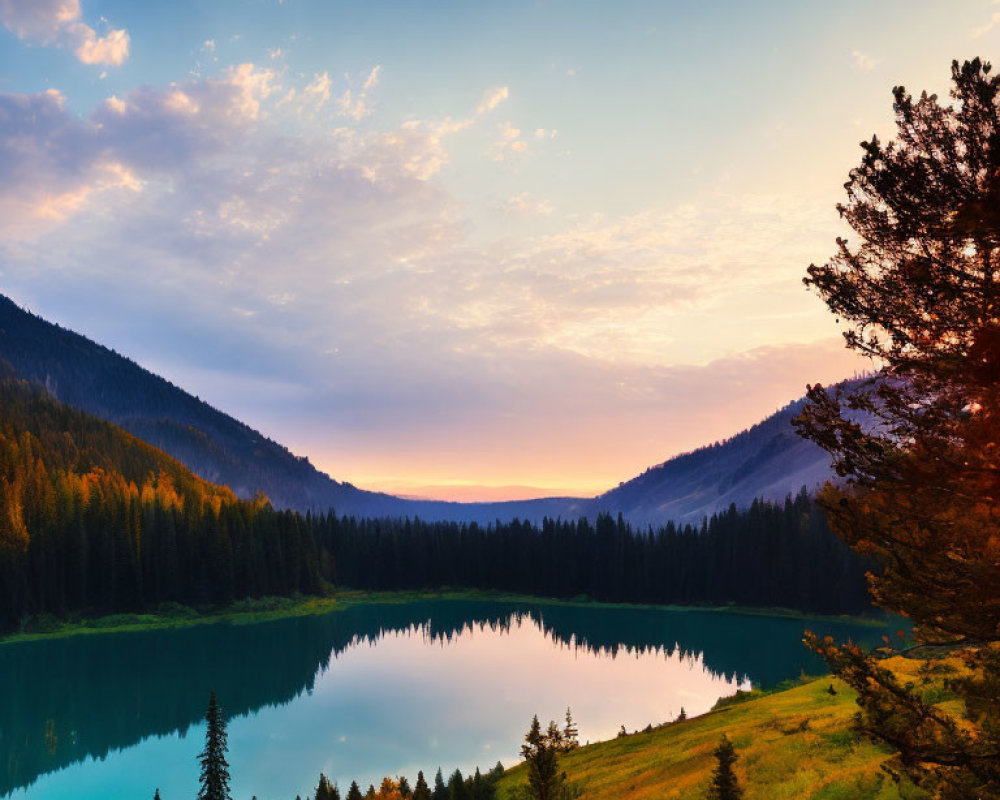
794	744
175	615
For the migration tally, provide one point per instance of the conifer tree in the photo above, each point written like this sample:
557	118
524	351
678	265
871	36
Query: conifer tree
440	790
545	782
570	733
214	767
920	291
324	791
404	787
479	787
420	790
554	736
457	790
724	785
156	794
354	792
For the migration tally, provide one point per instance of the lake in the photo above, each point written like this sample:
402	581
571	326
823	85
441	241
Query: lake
375	689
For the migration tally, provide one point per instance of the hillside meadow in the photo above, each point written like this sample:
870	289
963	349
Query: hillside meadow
793	744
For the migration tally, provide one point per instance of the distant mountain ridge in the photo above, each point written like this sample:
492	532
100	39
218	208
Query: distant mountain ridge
769	460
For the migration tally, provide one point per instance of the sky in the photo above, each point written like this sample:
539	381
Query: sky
456	249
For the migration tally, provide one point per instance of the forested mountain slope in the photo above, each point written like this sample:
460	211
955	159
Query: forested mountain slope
93	519
215	446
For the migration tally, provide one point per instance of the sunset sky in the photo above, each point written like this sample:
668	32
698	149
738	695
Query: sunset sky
463	250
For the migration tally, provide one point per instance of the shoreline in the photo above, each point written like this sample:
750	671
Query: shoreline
266	609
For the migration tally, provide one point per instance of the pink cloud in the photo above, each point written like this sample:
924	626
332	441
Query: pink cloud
59	23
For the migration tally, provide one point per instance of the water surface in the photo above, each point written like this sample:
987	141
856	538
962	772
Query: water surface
373	690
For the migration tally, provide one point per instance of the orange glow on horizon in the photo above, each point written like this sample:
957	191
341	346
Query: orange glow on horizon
464	492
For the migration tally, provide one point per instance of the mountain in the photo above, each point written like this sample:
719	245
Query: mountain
213	445
769	460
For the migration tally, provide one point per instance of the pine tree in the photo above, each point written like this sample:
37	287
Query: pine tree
920	291
354	792
214	767
457	790
156	794
324	791
554	736
440	790
570	734
724	785
545	782
404	787
421	791
334	793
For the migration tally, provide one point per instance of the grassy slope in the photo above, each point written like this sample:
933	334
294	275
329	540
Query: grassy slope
791	744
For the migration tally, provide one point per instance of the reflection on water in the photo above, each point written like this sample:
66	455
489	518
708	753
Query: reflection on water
372	690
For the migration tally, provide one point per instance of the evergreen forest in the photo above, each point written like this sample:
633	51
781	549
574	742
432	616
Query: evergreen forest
93	521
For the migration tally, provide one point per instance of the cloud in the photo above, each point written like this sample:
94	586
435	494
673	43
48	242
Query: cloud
111	49
372	80
319	89
59	23
216	234
356	106
200	180
523	203
52	162
510	141
864	62
986	27
492	98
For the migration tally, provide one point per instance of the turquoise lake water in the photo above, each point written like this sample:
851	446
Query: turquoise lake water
377	689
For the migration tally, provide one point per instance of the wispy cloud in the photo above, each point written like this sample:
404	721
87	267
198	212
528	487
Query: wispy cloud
864	62
510	142
981	30
355	105
524	203
236	238
319	89
59	23
492	98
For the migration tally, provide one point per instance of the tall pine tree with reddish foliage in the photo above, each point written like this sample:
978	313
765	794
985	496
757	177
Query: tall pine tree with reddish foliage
918	445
